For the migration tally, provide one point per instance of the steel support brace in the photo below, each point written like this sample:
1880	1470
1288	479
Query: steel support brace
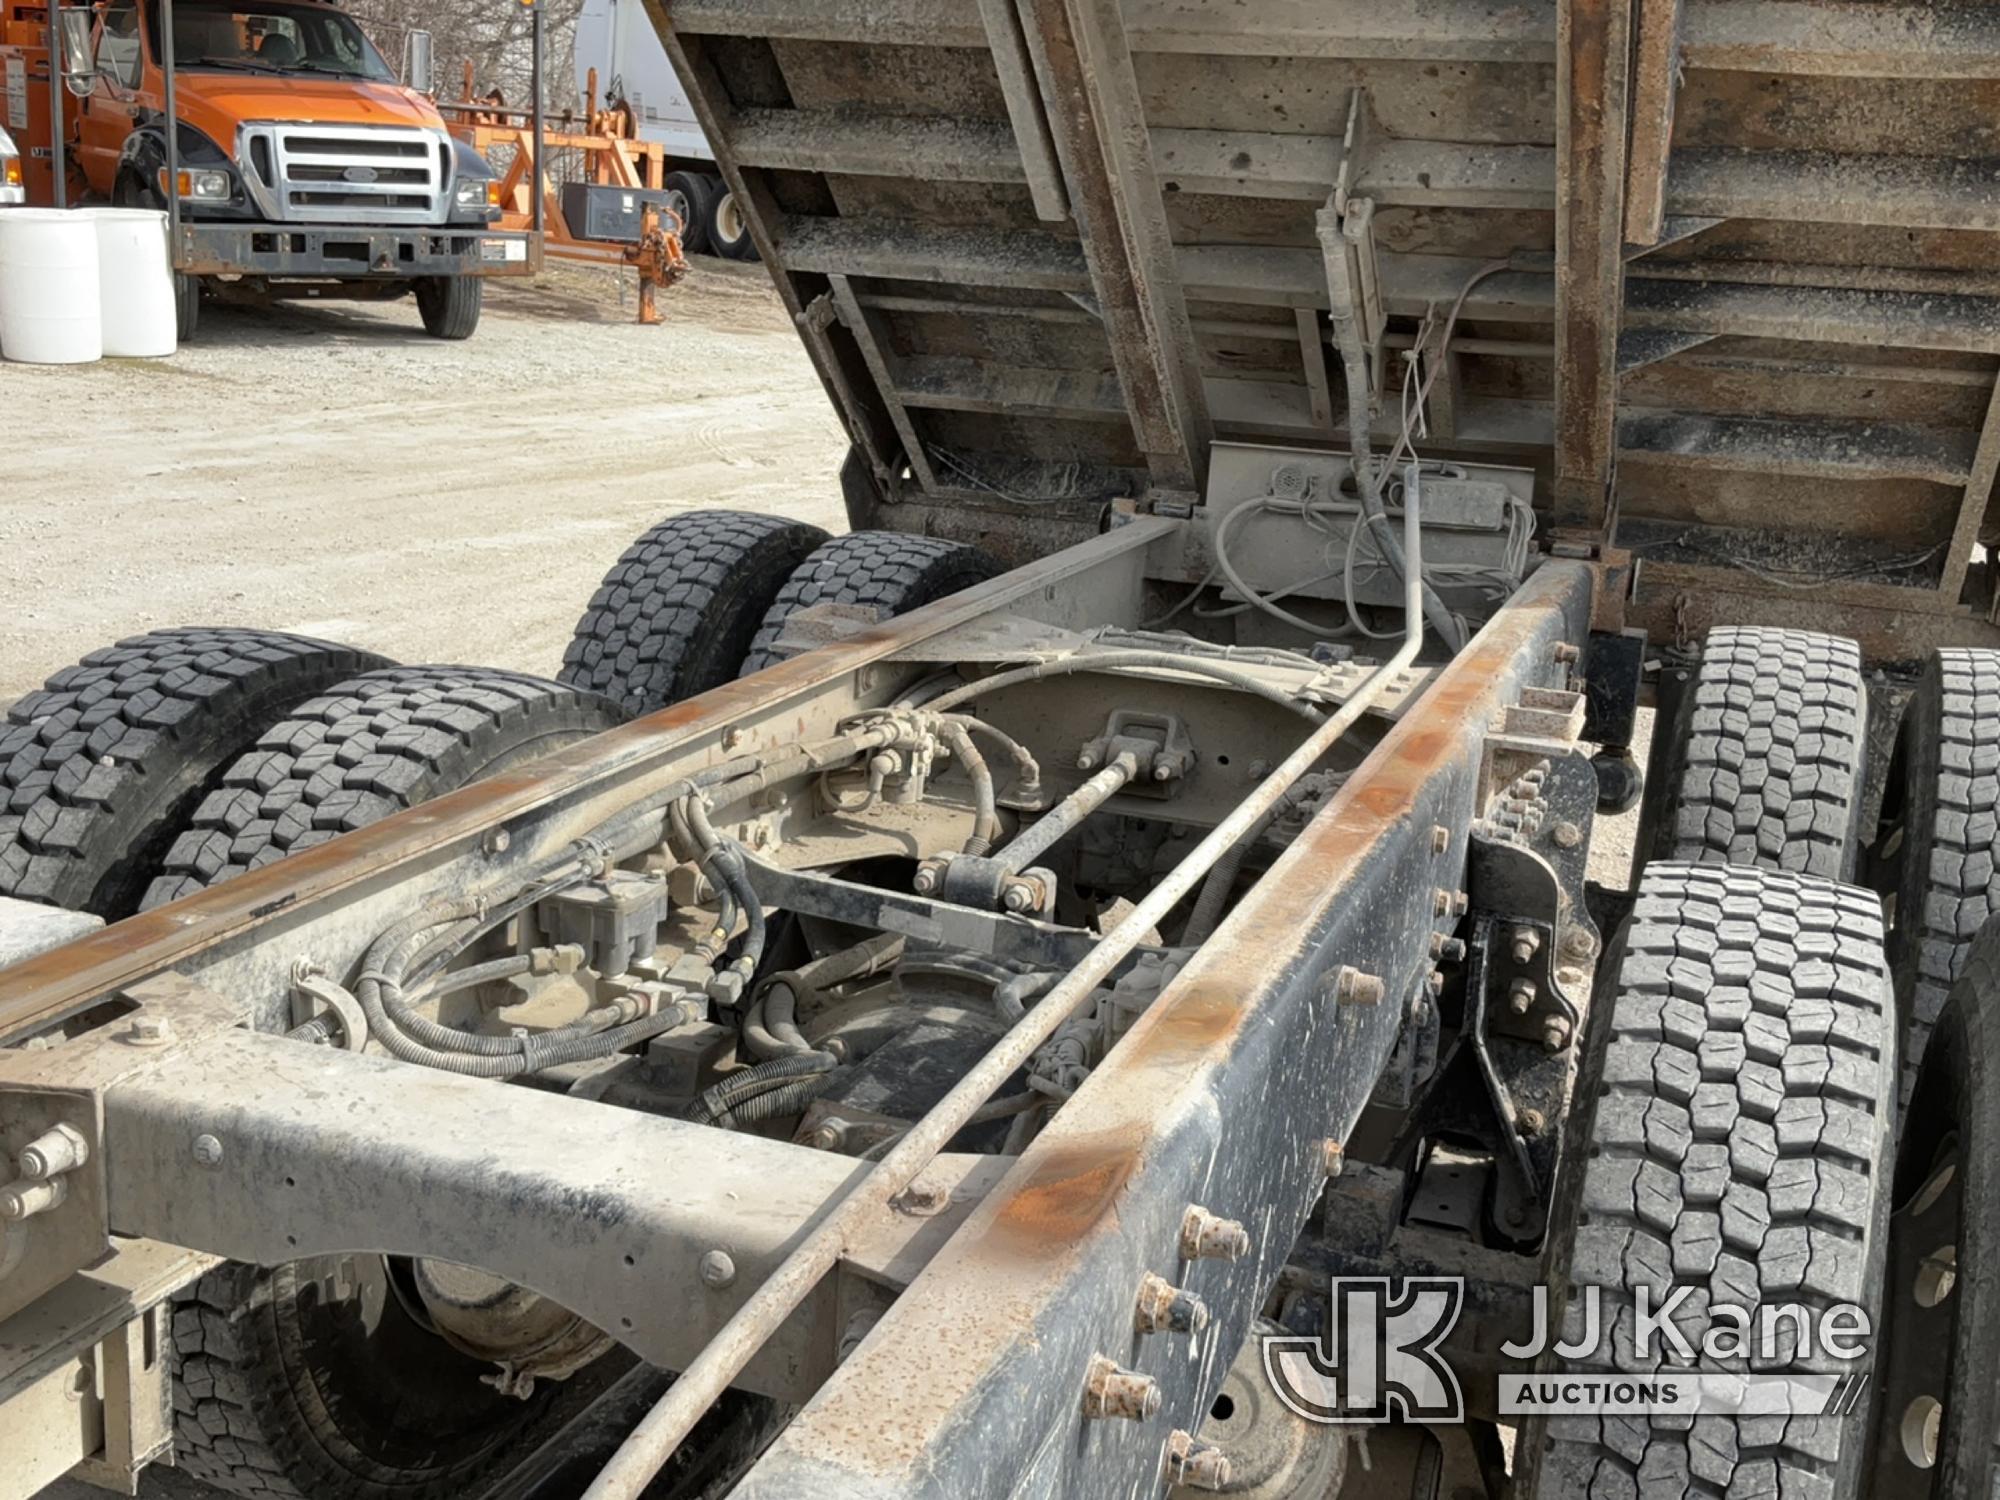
1094	114
1223	1095
267	1150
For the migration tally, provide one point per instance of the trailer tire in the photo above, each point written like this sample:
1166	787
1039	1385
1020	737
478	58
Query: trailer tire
886	572
450	305
676	614
1768	759
1732	1135
102	766
688	195
1938	844
365	748
728	231
278	1395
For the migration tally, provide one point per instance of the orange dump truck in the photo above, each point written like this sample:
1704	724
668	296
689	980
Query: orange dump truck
304	166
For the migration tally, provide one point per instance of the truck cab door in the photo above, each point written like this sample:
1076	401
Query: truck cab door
109	112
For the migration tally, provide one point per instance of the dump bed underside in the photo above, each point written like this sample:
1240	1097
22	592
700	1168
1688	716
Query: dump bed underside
1046	252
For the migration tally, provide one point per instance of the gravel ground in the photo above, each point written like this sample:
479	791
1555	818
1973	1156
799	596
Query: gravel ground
328	468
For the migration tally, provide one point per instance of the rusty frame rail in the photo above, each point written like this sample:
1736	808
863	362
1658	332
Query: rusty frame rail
1224	1096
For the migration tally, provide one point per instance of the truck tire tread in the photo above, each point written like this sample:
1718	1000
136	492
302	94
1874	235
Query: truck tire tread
1949	863
368	747
1771	757
101	766
888	572
1734	1136
676	614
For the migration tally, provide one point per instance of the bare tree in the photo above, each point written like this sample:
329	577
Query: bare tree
493	35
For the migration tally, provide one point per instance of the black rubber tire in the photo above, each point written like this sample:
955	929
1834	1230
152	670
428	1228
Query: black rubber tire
368	747
1733	1134
694	190
1956	1109
277	1395
102	767
187	307
887	572
1768	759
721	218
1938	847
676	614
450	305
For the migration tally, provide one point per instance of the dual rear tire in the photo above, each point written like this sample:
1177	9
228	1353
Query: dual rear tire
708	596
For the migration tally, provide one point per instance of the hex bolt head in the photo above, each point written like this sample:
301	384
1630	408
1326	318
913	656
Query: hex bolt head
61	1150
1352	987
1521	996
927	878
496	841
716	1269
1578	943
207	1151
1163	772
1434	984
1441	902
1440	839
1206	1237
1555	1035
1567	835
1533	1122
1526	944
1195	1465
1111	1391
1333	1157
1567	654
1086	762
1459	903
1166	1308
149	1031
1018	898
1453	951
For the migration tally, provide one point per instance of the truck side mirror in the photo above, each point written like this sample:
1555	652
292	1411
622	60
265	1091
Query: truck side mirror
79	76
417	61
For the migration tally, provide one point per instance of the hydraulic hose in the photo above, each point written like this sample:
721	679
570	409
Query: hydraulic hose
770	1027
709	1374
1108	661
986	815
1029	769
716	1103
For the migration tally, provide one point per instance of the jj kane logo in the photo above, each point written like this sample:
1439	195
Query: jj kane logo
1384	1356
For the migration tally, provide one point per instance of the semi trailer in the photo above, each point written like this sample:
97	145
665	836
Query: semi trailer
1093	982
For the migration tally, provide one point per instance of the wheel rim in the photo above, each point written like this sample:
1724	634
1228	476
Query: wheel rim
728	220
677	205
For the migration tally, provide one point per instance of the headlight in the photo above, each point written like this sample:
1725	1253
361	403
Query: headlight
204	183
477	193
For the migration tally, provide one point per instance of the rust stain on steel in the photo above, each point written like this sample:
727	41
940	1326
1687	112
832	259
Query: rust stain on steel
58	981
1000	1273
1070	1190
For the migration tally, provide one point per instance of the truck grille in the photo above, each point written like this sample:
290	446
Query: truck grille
322	174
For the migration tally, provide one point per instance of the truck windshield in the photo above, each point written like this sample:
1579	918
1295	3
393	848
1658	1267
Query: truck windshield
286	39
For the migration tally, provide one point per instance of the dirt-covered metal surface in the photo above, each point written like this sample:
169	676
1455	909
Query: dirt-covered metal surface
1053	250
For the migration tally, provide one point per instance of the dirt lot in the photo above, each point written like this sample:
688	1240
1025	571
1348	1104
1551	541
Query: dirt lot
330	469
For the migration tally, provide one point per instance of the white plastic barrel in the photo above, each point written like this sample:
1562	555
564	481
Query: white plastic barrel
135	282
48	287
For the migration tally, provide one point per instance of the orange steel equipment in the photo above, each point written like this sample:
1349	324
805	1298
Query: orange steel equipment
613	156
